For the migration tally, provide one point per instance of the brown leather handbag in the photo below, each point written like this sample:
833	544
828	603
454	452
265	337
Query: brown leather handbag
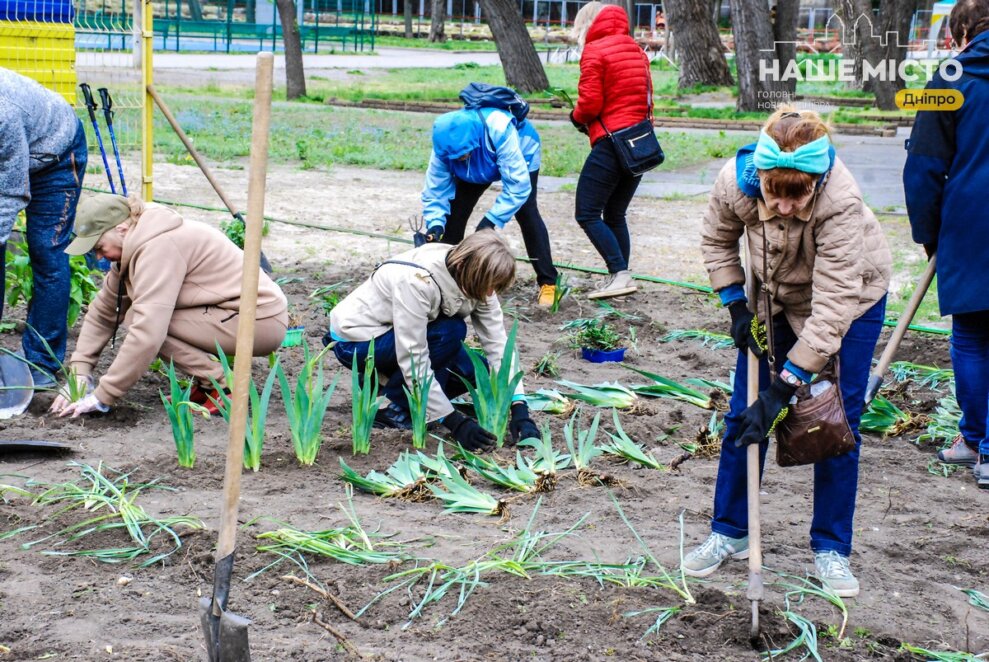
815	428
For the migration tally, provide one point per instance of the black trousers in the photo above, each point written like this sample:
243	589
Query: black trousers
534	233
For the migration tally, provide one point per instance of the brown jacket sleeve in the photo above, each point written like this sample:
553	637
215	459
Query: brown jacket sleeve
97	325
837	285
721	233
155	292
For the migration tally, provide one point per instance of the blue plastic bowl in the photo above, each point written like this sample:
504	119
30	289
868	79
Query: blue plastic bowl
603	356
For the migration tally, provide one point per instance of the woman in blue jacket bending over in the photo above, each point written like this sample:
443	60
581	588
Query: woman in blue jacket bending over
946	178
471	150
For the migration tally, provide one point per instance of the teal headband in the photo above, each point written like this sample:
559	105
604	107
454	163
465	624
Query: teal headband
813	158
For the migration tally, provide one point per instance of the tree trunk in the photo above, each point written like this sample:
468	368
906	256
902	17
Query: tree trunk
851	51
698	44
195	10
519	59
407	12
868	31
437	21
762	83
295	76
786	14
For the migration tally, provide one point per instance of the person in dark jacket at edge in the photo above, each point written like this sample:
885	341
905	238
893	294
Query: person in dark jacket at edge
614	93
945	179
471	150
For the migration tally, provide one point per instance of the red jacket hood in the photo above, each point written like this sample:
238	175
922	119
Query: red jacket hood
611	20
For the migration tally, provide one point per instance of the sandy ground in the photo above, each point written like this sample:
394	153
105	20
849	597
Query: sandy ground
919	537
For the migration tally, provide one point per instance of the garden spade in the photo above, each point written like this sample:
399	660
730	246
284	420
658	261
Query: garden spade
16	385
924	284
226	632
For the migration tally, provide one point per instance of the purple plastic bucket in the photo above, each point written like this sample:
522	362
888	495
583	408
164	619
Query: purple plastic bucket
603	356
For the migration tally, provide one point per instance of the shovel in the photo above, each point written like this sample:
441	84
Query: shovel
33	445
226	632
876	378
16	385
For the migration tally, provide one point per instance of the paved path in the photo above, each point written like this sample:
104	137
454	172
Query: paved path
876	163
382	58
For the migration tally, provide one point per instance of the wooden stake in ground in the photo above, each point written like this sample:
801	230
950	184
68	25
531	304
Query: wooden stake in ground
756	590
226	633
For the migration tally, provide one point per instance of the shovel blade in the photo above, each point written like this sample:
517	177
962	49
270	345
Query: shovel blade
29	445
16	386
233	645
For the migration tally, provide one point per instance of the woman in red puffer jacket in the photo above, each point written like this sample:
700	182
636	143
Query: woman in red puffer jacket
615	91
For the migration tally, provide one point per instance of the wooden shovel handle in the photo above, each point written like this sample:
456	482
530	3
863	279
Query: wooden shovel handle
924	284
248	304
196	156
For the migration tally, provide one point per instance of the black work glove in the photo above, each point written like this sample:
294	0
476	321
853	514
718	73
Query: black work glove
577	125
930	249
745	329
521	425
486	224
467	432
433	234
760	419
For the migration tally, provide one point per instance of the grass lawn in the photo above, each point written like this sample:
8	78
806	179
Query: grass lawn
312	134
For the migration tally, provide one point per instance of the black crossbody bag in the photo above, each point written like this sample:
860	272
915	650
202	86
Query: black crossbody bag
637	147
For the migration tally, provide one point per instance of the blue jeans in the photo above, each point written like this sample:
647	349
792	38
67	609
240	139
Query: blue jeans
835	479
51	216
445	340
970	359
534	233
604	191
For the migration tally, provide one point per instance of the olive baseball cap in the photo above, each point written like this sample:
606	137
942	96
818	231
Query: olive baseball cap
95	215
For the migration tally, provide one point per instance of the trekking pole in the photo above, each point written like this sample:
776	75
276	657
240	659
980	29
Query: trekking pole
876	378
756	590
108	115
91	107
197	157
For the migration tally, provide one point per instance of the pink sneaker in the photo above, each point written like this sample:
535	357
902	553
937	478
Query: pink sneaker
959	453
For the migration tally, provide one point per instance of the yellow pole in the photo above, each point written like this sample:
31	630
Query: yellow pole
147	111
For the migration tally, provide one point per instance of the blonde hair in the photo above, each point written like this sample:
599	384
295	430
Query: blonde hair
583	20
482	263
137	208
791	128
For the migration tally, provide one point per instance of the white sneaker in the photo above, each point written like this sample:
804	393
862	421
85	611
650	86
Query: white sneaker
834	572
619	284
704	560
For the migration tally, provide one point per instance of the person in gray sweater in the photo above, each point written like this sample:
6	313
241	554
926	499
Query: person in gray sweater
42	163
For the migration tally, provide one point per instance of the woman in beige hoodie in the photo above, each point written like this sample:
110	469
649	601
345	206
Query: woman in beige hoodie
175	287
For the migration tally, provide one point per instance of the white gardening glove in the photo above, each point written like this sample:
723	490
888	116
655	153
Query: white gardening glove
84	383
88	405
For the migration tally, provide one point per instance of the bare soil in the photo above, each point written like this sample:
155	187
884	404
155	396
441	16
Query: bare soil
919	537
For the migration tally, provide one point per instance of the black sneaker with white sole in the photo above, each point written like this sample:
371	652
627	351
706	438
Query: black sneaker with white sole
393	416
